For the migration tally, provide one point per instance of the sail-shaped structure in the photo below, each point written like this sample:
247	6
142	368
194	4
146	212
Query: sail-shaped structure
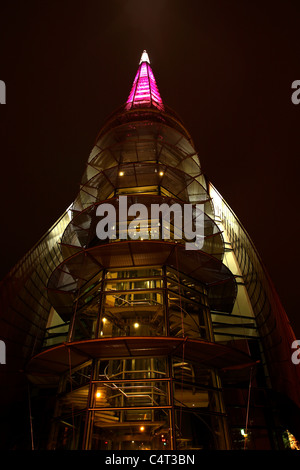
134	342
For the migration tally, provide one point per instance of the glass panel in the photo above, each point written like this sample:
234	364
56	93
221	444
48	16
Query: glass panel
56	335
133	313
122	285
80	376
192	397
133	273
186	318
68	434
184	280
130	430
139	368
73	401
125	394
85	323
198	431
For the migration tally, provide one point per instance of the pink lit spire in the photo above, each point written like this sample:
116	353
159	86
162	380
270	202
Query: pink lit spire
144	92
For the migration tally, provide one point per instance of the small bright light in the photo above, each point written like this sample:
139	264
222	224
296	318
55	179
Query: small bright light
145	57
136	325
104	320
161	173
121	173
142	428
98	395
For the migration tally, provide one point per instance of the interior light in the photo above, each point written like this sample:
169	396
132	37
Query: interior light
142	428
104	320
98	395
161	173
136	325
121	173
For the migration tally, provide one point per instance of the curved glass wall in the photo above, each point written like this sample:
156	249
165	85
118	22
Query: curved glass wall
157	321
157	301
139	404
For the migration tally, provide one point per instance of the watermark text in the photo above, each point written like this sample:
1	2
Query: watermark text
159	222
2	352
2	92
296	354
296	94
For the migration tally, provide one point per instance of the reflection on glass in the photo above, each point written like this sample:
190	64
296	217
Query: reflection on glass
135	368
68	433
125	394
131	430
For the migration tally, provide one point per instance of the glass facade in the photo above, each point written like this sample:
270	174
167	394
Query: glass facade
135	342
139	404
138	302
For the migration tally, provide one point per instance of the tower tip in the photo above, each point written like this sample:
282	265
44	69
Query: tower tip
144	92
144	57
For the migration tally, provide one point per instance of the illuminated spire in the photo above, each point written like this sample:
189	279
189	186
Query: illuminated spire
144	92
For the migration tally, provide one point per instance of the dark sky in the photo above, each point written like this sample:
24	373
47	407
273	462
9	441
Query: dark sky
226	67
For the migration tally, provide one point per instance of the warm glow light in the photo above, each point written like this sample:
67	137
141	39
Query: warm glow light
161	173
293	442
104	320
136	325
121	173
98	395
142	428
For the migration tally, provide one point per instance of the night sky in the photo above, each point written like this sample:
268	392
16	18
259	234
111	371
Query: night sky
226	67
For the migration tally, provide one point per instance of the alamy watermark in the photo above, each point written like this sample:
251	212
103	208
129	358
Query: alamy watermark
296	94
296	354
2	352
2	92
162	222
